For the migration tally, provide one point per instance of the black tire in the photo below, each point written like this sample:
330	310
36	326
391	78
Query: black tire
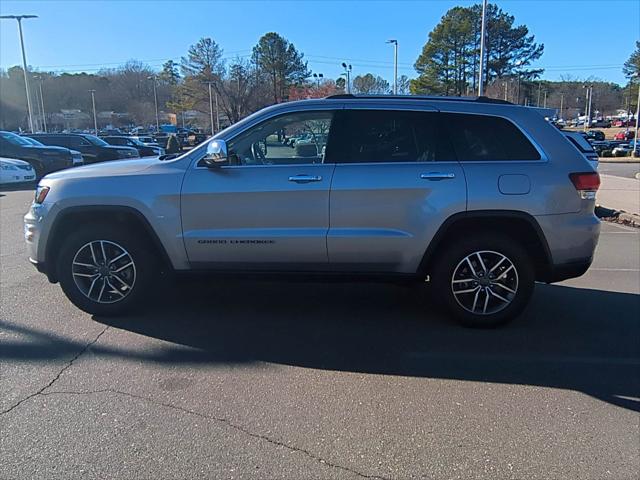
143	273
450	263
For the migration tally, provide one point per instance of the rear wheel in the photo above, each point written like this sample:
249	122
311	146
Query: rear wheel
484	281
105	270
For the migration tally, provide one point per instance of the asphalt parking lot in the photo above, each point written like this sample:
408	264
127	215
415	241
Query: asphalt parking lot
305	380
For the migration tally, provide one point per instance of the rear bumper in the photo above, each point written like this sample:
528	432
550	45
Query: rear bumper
564	271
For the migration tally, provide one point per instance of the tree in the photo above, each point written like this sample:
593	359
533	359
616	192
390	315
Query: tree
632	66
370	84
450	60
277	59
204	60
341	84
403	85
169	74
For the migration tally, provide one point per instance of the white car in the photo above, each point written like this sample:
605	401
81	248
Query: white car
15	171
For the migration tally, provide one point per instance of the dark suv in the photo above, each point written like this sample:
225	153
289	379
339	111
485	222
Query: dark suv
43	159
93	149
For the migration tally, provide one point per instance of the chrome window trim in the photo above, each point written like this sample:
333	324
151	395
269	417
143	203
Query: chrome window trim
275	111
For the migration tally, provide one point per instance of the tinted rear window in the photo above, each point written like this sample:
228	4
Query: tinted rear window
580	143
364	136
487	138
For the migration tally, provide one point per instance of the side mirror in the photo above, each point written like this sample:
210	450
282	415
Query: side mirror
216	154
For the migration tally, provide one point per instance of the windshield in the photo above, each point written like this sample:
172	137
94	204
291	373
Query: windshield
14	139
33	141
135	141
96	141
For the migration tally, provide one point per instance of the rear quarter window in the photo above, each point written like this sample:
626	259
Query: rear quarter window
488	138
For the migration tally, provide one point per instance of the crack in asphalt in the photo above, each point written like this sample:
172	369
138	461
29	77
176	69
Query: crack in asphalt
57	377
220	420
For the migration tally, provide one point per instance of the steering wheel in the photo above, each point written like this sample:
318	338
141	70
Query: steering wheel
258	154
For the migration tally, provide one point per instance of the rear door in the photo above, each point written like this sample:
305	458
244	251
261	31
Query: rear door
395	183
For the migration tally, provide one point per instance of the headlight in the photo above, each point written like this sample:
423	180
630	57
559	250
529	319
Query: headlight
5	166
41	194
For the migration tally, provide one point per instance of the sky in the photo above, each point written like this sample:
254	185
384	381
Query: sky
582	38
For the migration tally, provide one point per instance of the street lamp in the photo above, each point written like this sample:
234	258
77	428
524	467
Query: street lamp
44	116
482	48
347	72
519	72
635	137
19	18
95	118
155	99
213	126
395	65
318	76
587	112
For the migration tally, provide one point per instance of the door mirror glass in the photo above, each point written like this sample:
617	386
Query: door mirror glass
216	154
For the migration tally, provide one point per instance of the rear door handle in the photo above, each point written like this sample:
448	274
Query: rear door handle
437	176
305	178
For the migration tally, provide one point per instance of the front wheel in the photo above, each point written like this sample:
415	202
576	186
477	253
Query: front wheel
484	281
105	270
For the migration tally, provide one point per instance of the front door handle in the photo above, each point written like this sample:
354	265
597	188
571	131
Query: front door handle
437	176
305	178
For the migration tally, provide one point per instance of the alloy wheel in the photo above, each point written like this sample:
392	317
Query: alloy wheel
484	282
103	271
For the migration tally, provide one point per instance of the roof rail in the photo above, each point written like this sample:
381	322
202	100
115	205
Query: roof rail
481	99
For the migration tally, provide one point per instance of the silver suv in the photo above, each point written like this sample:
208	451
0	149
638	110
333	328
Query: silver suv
478	197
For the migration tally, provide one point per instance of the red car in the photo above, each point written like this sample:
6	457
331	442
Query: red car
624	135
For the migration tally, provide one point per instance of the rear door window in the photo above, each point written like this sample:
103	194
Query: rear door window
488	138
389	136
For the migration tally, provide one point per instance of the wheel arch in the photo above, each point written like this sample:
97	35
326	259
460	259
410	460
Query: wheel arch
125	216
518	225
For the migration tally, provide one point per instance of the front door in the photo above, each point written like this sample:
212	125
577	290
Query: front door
396	181
268	209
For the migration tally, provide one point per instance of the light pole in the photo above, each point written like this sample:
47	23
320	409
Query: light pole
211	109
587	107
561	105
519	72
44	115
539	92
482	48
504	84
395	65
347	70
19	18
95	118
635	137
318	76
155	99
545	99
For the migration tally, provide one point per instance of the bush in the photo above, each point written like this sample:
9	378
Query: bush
606	153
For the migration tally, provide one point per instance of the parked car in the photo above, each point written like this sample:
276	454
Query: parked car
75	155
579	141
600	123
624	150
43	159
15	171
624	135
595	135
478	197
143	150
146	140
92	148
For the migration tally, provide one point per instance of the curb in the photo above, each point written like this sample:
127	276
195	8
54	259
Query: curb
617	216
618	160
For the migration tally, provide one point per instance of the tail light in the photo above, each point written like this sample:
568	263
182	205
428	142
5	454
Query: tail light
586	184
